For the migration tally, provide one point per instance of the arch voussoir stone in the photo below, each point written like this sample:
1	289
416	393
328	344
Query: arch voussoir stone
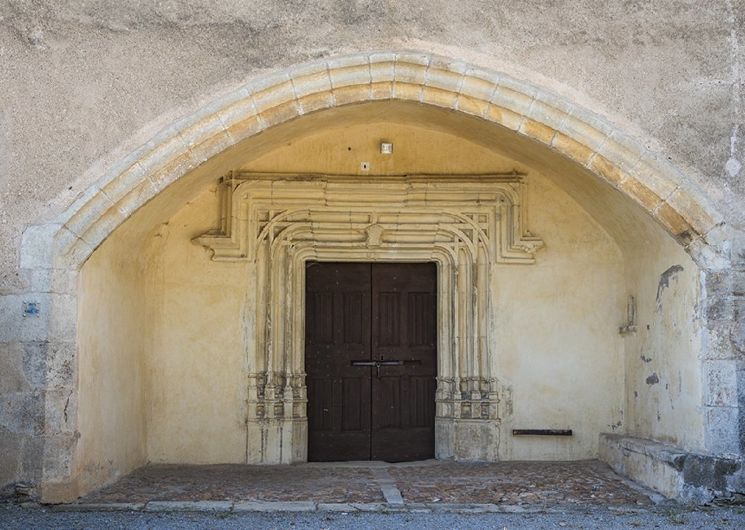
576	133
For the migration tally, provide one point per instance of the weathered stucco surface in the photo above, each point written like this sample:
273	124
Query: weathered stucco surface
87	82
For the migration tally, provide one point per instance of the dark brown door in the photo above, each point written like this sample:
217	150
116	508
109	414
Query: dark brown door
370	359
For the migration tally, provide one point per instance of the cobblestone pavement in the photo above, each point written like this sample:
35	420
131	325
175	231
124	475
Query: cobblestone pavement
430	482
304	482
516	483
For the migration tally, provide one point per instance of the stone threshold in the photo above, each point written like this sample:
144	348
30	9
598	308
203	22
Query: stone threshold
308	506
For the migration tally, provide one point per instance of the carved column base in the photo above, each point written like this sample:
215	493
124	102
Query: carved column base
277	441
467	439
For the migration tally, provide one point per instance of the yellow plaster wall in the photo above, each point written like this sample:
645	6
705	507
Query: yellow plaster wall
558	332
196	364
111	334
663	370
162	357
561	359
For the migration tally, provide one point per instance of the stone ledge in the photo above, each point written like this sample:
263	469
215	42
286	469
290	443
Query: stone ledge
302	506
687	477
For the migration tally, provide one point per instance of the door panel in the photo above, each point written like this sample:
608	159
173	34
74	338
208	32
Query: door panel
404	329
370	357
337	305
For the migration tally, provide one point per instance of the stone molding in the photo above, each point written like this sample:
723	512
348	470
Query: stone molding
577	133
277	223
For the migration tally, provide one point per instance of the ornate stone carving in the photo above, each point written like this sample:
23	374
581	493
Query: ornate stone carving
466	224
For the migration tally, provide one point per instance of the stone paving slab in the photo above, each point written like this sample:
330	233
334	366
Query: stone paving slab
429	486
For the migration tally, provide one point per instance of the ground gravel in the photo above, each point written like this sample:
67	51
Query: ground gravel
17	517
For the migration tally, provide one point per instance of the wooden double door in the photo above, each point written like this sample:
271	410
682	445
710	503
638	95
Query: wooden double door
371	360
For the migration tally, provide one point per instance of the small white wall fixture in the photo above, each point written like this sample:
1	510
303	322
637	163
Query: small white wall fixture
466	224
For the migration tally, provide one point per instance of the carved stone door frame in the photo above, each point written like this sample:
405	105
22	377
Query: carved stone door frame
465	224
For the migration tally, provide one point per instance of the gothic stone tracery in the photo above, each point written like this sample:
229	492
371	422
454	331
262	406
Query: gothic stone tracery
466	224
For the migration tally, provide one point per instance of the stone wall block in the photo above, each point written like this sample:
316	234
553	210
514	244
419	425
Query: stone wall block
737	332
571	148
352	94
593	133
237	111
314	102
310	80
37	247
274	96
269	83
245	128
137	197
720	383
644	196
443	79
64	317
696	214
717	339
22	412
479	84
382	67
439	98
199	132
410	69
60	411
171	170
348	61
504	117
24	318
472	106
673	222
738	252
90	214
537	131
349	76
103	226
117	188
11	451
209	147
517	102
34	356
162	154
407	92
722	433
381	91
546	114
60	365
280	113
53	280
74	252
719	301
706	255
12	368
59	451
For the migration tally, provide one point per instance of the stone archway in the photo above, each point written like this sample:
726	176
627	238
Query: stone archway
55	251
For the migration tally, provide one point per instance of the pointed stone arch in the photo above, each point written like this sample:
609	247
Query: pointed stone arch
560	125
54	251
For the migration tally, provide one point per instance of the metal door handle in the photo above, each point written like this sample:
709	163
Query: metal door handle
377	363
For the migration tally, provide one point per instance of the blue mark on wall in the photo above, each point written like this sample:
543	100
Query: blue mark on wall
31	309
